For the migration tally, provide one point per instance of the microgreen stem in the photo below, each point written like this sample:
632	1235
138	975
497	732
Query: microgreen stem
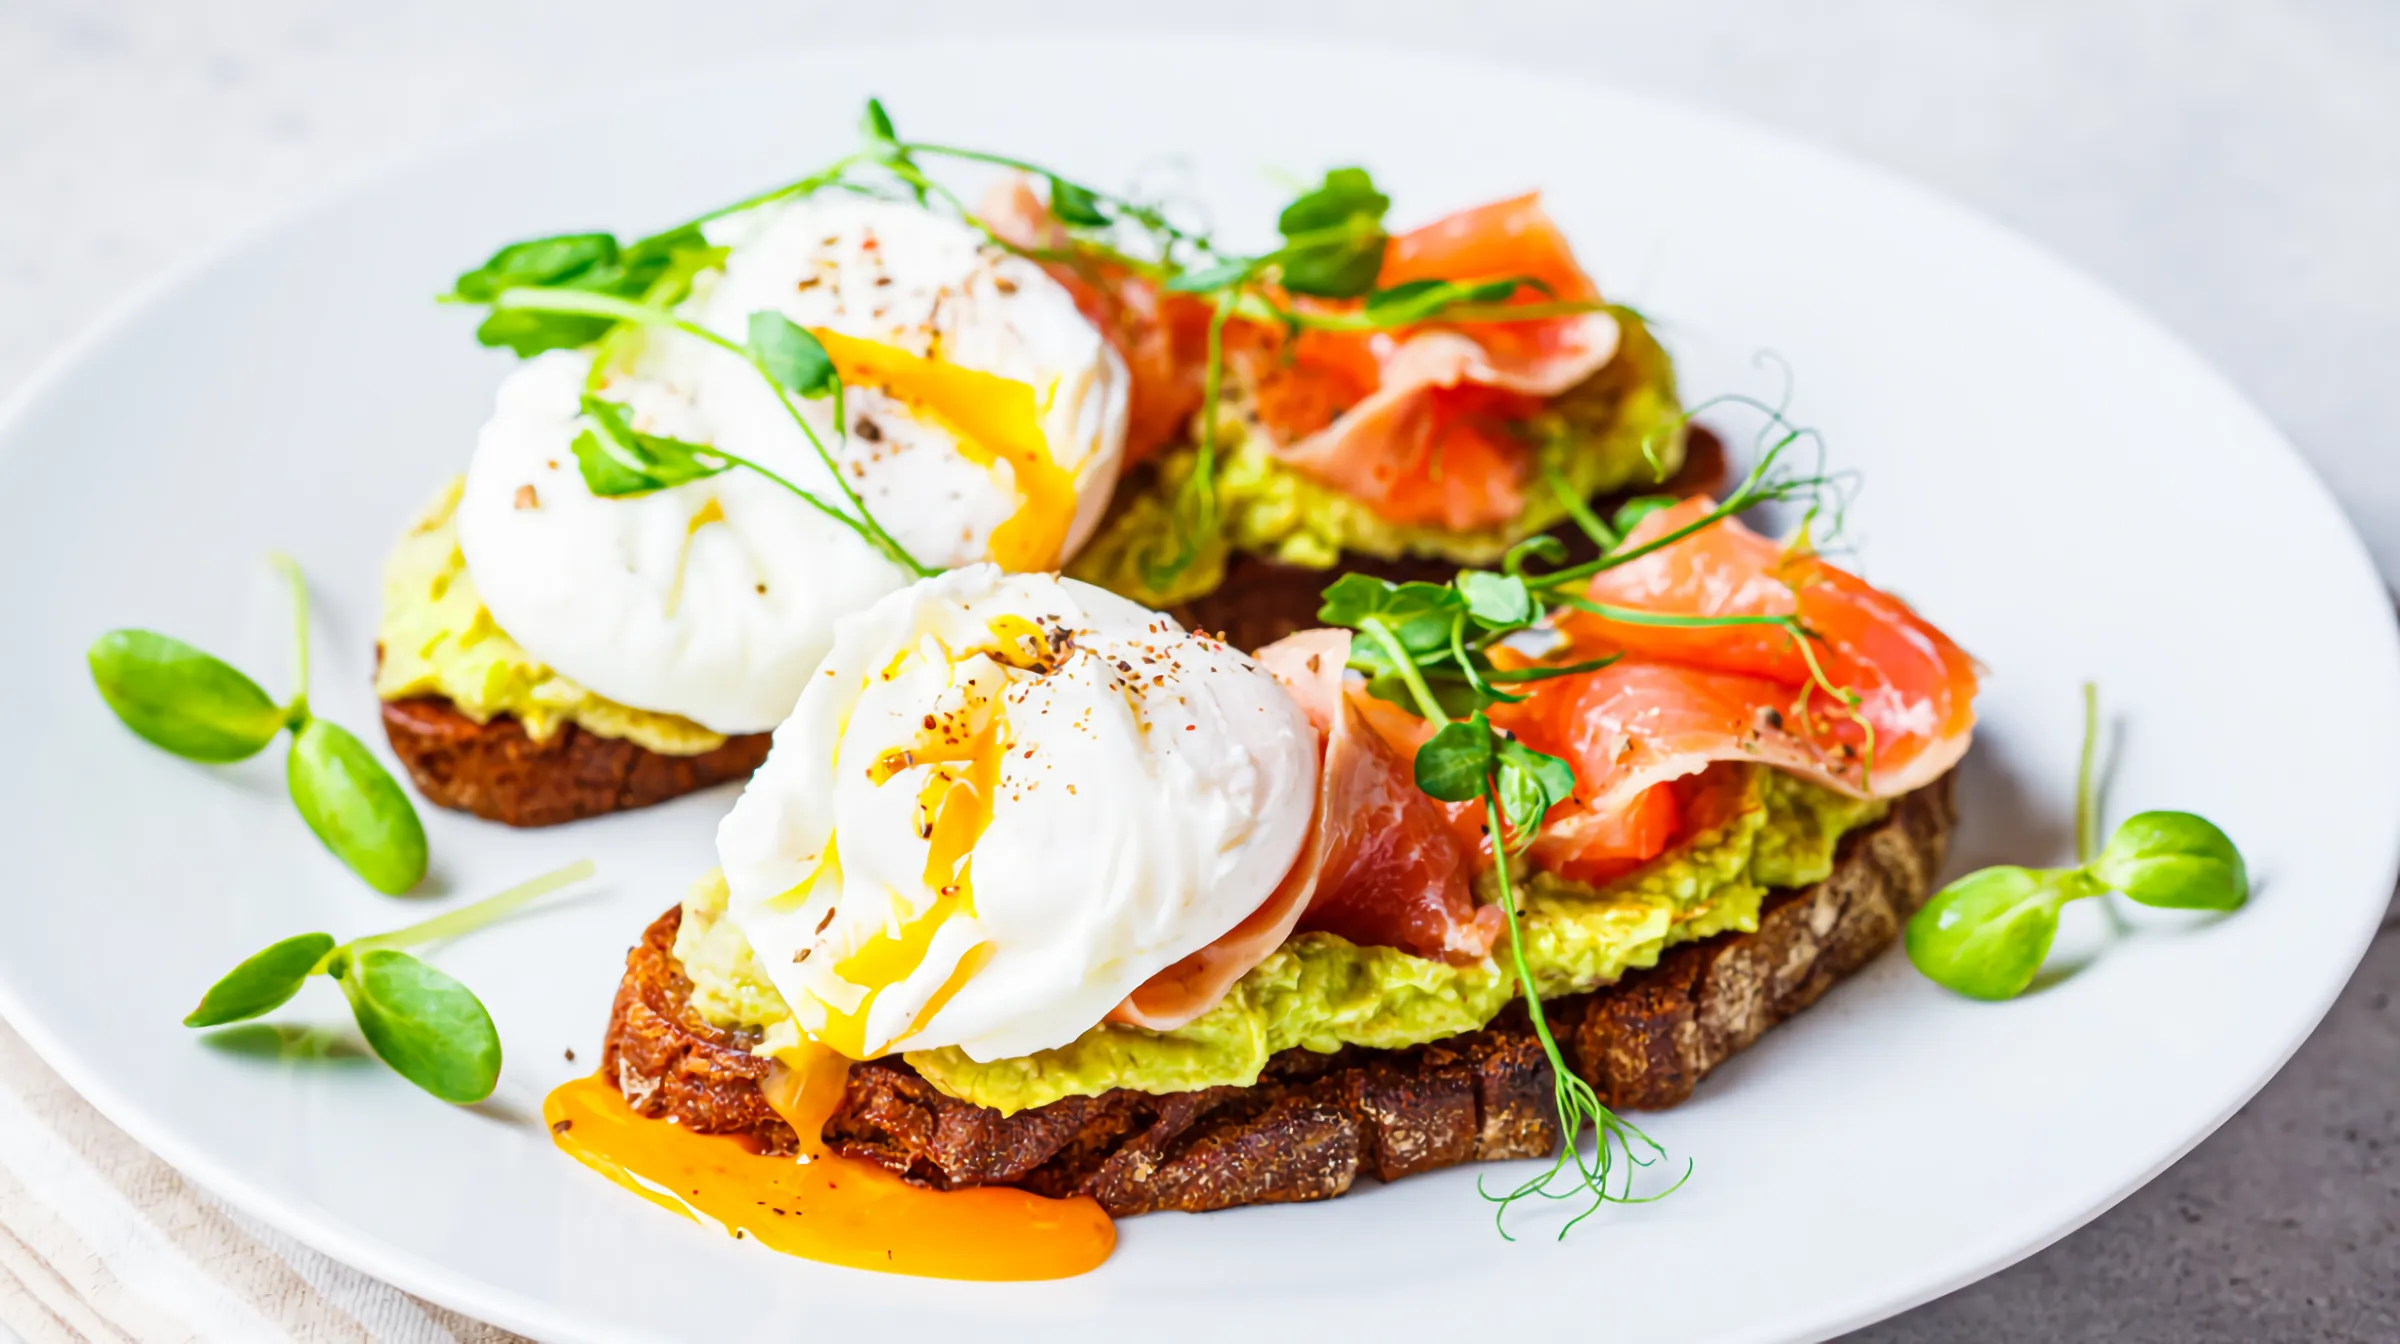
1410	674
803	187
552	300
1601	534
1755	489
296	710
468	918
2087	798
1144	215
1578	1105
1670	619
1195	516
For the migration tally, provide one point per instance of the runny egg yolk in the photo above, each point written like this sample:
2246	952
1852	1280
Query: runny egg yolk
819	1206
962	751
993	419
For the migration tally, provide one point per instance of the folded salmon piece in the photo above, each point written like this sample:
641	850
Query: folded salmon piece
1418	423
1680	698
1382	866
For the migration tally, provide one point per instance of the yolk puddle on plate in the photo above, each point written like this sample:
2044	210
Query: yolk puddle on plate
994	418
827	1208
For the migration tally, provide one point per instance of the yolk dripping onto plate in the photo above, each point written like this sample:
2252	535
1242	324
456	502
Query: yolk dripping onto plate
826	1208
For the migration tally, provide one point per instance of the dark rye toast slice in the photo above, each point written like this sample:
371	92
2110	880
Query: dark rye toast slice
500	772
1313	1123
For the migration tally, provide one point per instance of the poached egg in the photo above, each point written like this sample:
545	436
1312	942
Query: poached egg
1003	803
984	419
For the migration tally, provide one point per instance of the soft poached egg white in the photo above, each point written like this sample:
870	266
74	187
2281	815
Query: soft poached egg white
985	419
1004	802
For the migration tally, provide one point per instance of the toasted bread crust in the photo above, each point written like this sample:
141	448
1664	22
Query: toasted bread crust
1313	1123
499	772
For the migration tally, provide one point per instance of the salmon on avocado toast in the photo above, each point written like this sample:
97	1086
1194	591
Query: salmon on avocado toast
1038	891
1543	778
688	478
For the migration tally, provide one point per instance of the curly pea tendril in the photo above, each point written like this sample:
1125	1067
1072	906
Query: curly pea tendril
1987	934
203	709
428	1027
1427	648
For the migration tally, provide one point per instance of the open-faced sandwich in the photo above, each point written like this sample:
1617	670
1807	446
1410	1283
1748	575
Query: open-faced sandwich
1039	891
569	630
1043	906
1341	428
602	613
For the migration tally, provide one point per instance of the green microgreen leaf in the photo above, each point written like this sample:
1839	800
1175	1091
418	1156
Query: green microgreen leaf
1075	205
263	983
1634	510
355	807
428	1027
1455	764
1528	784
1347	196
182	700
1212	277
527	333
1415	301
1497	601
2175	861
792	355
1987	934
875	128
615	460
658	268
1333	237
1419	614
554	260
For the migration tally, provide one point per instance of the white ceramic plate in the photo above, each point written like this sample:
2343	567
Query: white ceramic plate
2065	488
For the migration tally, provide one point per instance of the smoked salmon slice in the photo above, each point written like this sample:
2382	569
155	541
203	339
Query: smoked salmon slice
1418	423
1162	337
1383	866
1679	699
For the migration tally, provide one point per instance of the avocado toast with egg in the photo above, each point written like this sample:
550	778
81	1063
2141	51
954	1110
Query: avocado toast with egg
1314	1122
676	496
1039	890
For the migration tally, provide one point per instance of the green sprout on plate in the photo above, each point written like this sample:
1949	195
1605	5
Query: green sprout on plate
428	1027
1987	934
203	709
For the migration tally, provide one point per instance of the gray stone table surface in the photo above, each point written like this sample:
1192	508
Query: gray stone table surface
2232	166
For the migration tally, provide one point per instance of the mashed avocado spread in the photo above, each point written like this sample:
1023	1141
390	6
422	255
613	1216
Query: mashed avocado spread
438	639
1762	830
1620	429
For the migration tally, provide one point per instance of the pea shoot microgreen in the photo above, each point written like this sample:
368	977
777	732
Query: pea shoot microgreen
428	1027
1427	648
203	709
615	460
584	289
1987	934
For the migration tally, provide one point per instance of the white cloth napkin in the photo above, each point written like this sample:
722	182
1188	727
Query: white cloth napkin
102	1241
